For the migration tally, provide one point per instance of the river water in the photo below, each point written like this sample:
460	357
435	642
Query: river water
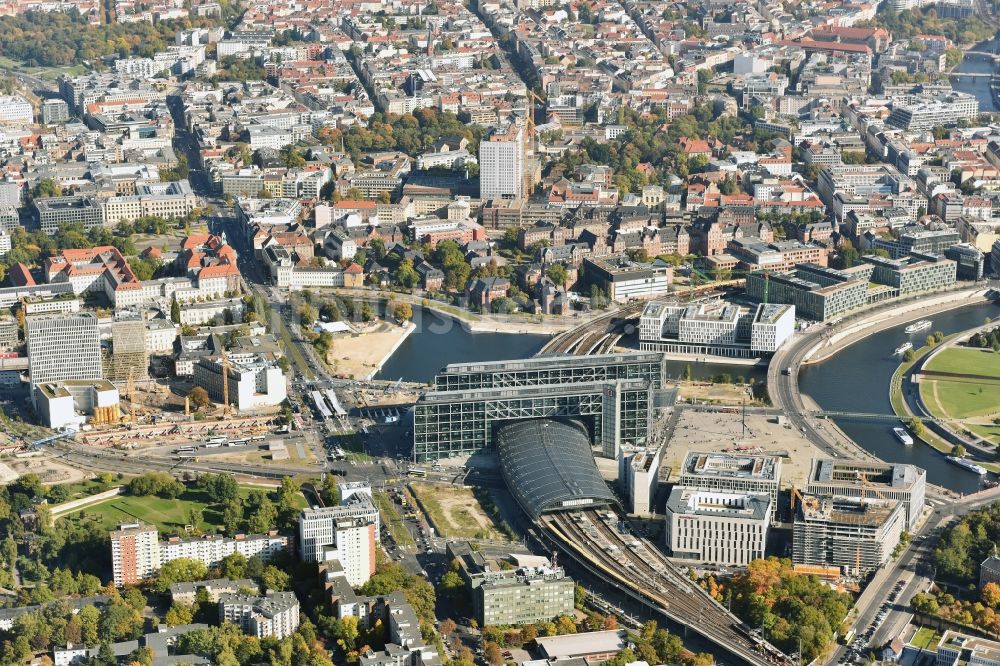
439	340
857	380
975	64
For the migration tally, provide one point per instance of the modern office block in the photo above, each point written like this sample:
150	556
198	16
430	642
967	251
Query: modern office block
717	527
747	474
518	589
63	346
854	478
857	536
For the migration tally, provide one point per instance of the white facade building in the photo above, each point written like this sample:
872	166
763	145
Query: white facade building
639	472
63	346
502	165
318	526
15	109
716	527
354	549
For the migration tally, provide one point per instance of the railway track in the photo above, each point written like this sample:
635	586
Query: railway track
642	570
102	460
590	338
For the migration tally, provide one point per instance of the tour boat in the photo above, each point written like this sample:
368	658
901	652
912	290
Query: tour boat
921	325
903	436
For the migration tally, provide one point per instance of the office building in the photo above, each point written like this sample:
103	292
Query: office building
856	535
916	239
817	292
717	527
318	525
854	478
16	110
518	588
169	200
736	473
63	346
924	112
135	553
272	615
639	473
254	381
914	274
54	111
502	164
623	279
55	212
716	328
956	648
970	261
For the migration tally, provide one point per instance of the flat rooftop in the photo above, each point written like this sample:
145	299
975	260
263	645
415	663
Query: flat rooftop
846	511
849	473
731	466
692	502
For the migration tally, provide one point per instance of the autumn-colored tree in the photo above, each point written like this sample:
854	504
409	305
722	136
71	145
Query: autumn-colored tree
492	653
991	594
447	627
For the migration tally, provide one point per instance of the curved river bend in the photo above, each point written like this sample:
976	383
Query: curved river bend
857	380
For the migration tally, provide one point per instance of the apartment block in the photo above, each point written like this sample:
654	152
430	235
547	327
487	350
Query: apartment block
318	525
518	589
272	615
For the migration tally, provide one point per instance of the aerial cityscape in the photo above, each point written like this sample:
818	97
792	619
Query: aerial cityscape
499	333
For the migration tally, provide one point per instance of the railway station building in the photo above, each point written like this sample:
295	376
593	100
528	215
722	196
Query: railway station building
611	394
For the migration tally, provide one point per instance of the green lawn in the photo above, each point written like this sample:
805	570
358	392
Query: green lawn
170	516
926	638
966	361
960	399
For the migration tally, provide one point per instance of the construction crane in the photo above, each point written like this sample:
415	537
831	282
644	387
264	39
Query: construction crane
225	383
796	494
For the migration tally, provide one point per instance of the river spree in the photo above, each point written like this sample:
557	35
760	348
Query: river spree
857	380
978	65
439	340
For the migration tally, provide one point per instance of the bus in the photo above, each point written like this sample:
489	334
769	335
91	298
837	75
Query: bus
418	472
185	449
849	636
216	440
238	442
